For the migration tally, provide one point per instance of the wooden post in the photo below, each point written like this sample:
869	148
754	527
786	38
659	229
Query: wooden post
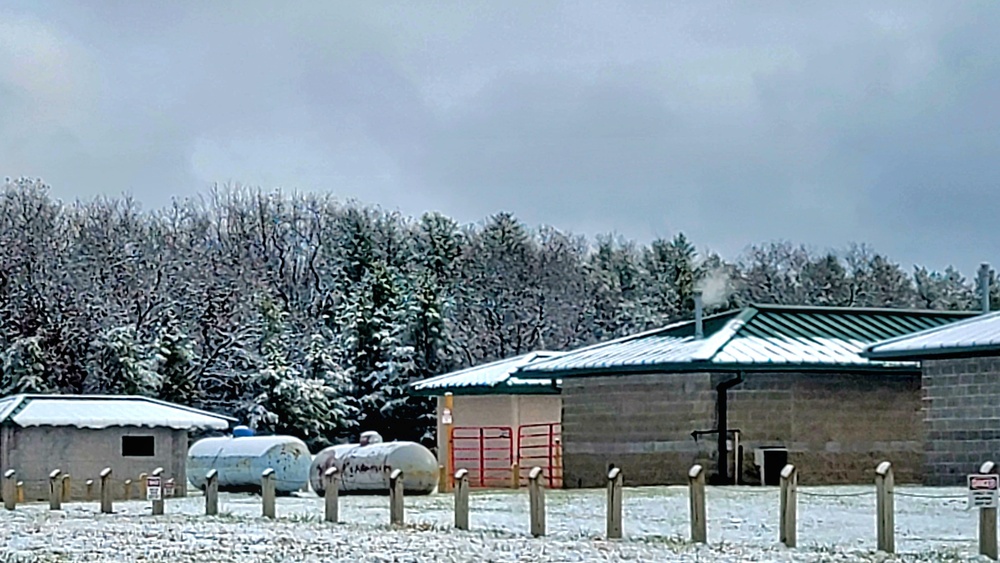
331	494
462	499
267	493
55	490
696	485
615	504
67	488
158	503
444	483
447	425
737	459
90	490
536	501
127	489
10	489
988	520
169	490
787	531
885	525
20	491
142	485
396	497
515	475
212	493
107	494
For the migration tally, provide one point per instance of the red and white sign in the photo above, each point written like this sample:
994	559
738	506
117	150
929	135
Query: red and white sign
153	488
983	491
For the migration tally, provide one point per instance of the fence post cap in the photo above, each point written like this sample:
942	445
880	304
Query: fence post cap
535	473
461	474
331	471
269	472
55	474
89	482
128	481
9	474
65	476
105	472
988	467
396	474
883	468
787	471
614	473
695	471
212	474
157	472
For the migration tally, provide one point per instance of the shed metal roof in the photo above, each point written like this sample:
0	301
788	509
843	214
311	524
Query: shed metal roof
103	411
490	379
759	337
979	335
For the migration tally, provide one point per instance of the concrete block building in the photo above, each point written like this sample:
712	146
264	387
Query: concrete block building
743	393
960	363
82	434
496	420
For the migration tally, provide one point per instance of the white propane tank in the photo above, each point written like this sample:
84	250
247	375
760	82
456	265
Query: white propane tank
241	460
365	469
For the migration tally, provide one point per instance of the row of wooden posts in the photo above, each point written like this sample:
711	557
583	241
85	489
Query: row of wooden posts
60	489
788	505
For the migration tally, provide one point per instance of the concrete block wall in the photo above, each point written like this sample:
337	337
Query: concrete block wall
962	417
837	427
34	452
641	423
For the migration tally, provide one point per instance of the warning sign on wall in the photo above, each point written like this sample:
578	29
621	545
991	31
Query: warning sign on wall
446	416
983	491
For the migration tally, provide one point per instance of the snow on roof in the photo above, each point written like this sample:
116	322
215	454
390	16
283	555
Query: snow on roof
492	378
979	335
103	411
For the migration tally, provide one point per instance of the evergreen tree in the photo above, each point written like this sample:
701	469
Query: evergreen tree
22	367
119	364
176	362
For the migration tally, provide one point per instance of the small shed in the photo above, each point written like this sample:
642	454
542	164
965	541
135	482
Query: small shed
496	420
83	434
960	367
745	392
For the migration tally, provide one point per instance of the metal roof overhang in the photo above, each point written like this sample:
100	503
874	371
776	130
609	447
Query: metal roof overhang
537	389
942	353
707	367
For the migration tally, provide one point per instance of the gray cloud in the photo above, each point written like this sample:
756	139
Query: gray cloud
733	122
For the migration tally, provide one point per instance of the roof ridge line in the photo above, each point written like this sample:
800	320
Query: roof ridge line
886	310
721	337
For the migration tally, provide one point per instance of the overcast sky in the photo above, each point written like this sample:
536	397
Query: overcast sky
734	122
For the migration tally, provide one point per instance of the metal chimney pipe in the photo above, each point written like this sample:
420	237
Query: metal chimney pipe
699	329
984	286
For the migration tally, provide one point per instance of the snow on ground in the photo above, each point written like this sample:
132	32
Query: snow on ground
742	527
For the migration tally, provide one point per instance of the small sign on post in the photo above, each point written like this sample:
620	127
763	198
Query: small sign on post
153	489
168	488
983	491
983	488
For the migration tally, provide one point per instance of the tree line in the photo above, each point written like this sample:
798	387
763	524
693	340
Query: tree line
305	315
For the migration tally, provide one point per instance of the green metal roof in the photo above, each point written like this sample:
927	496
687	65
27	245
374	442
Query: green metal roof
977	336
494	378
759	337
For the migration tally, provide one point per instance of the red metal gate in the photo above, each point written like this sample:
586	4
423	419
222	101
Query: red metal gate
540	445
486	452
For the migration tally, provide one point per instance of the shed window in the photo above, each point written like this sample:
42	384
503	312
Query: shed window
138	446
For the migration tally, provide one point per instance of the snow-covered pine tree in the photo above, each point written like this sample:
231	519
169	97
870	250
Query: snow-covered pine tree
177	363
319	365
282	400
118	363
22	367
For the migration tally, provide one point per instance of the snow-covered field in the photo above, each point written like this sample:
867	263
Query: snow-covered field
742	527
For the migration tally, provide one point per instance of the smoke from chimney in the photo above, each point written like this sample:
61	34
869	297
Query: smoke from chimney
699	329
